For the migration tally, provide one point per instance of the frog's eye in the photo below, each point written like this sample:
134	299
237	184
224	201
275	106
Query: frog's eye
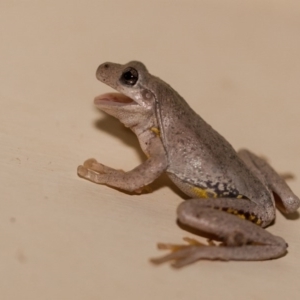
130	76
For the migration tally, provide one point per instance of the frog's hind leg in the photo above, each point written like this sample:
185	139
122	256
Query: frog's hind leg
242	239
275	182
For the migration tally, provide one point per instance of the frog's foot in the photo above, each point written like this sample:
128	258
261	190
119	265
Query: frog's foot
182	254
95	172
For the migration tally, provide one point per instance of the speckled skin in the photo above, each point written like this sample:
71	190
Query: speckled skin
237	187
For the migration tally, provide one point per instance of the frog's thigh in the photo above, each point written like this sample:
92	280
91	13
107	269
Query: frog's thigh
273	180
205	215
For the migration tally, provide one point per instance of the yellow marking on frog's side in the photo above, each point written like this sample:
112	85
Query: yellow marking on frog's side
252	217
202	193
258	222
155	130
236	213
232	211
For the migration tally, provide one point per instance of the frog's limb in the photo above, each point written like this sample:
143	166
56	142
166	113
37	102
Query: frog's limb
130	181
134	180
275	182
242	239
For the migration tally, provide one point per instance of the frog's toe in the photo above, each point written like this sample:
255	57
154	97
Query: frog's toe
176	247
181	255
89	163
93	165
97	167
82	171
287	176
92	175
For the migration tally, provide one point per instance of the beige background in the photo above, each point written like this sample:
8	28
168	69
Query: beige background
236	62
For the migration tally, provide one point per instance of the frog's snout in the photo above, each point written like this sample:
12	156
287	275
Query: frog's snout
102	71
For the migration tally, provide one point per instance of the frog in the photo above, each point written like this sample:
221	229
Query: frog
233	194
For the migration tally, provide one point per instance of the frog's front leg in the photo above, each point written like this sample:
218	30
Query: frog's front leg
134	180
241	238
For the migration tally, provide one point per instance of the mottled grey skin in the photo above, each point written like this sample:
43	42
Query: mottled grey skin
236	187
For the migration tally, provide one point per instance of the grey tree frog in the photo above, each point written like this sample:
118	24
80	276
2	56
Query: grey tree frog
232	192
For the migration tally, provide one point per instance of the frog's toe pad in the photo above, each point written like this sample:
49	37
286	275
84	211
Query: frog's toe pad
89	163
82	171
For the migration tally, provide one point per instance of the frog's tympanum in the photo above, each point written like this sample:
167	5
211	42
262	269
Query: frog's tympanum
233	192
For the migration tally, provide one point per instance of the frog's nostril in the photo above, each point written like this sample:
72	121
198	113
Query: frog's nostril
101	71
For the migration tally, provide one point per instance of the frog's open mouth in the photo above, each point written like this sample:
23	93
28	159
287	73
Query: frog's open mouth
113	99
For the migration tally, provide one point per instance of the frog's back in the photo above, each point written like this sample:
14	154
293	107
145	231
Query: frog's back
198	155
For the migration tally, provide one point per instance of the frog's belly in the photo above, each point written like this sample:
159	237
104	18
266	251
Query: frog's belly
205	189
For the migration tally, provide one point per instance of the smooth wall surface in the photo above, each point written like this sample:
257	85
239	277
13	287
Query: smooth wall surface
237	64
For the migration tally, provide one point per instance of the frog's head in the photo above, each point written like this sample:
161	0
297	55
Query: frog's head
135	100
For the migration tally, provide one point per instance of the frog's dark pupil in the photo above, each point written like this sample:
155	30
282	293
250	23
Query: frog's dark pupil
130	76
